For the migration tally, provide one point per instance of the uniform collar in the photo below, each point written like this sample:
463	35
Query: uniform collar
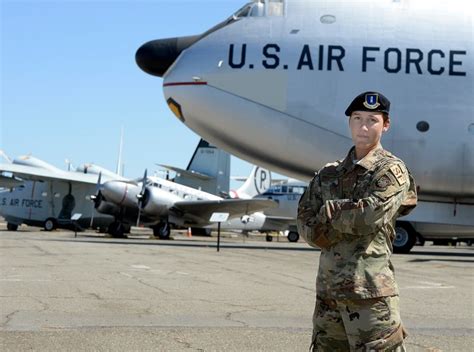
367	162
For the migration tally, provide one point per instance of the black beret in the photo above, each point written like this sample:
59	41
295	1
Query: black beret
369	101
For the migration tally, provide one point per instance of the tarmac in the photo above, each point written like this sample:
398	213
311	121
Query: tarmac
59	292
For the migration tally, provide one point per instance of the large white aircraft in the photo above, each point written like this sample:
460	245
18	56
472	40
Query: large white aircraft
270	85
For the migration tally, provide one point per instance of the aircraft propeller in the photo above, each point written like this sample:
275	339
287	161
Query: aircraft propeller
140	197
96	197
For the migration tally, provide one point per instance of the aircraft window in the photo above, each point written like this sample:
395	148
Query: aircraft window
297	189
284	189
244	11
275	7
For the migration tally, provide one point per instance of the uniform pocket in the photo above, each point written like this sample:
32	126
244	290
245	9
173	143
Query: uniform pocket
388	343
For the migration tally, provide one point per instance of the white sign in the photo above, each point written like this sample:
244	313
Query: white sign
76	217
219	217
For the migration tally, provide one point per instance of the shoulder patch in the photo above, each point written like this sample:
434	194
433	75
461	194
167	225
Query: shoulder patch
383	182
399	174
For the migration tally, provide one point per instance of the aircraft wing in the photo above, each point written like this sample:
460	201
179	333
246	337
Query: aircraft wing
194	174
201	211
30	173
282	220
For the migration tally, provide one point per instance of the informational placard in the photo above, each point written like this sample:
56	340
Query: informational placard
76	216
219	217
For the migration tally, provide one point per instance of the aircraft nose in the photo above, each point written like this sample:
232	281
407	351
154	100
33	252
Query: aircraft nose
156	56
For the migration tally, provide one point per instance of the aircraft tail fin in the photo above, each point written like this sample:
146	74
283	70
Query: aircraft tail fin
257	183
208	170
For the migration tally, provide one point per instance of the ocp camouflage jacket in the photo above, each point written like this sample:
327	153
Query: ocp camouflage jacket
349	209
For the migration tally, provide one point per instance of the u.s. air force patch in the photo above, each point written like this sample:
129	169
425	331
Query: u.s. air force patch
397	171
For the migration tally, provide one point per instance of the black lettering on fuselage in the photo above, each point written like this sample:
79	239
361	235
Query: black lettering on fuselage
453	63
430	62
305	59
365	56
338	58
398	60
31	203
271	57
243	54
414	56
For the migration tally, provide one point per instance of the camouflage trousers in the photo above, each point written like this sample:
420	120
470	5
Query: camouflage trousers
358	325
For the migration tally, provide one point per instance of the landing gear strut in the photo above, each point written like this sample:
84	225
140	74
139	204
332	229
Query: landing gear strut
117	230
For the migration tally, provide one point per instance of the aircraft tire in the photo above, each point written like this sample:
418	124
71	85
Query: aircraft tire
162	231
198	231
116	230
405	237
293	236
50	224
269	238
12	227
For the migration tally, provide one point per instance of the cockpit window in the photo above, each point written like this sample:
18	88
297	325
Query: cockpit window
256	8
260	8
275	7
252	9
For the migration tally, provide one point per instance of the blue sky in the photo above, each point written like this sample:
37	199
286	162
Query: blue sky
69	81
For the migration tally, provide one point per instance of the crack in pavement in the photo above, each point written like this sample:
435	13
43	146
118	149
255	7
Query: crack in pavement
228	317
8	318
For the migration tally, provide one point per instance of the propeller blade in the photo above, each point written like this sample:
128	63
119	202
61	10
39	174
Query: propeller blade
140	196
94	198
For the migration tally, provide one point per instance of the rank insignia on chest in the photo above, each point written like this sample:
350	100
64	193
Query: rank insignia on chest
397	171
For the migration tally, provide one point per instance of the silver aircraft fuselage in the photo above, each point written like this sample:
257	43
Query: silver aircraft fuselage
271	88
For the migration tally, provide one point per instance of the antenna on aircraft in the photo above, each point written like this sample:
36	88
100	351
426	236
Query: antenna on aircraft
5	156
69	164
119	170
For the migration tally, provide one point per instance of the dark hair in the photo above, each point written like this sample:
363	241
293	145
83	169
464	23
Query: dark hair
386	117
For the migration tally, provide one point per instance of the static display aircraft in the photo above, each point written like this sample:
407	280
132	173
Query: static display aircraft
270	85
157	203
39	194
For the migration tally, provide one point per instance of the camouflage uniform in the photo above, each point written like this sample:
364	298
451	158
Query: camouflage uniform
349	211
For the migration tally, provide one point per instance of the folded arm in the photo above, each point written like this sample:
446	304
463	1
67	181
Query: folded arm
367	215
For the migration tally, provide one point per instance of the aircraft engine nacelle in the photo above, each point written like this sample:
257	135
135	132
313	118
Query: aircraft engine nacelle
104	207
156	202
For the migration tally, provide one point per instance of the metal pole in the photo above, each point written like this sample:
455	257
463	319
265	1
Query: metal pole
218	236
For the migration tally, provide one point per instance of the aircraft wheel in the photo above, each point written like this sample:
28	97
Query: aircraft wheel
50	224
405	238
293	236
269	238
116	230
162	231
198	231
12	227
